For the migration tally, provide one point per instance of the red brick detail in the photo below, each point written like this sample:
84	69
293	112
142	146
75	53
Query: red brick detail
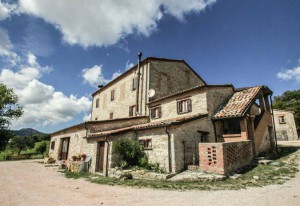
223	158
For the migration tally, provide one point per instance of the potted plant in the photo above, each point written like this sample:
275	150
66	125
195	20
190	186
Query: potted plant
83	156
74	157
78	157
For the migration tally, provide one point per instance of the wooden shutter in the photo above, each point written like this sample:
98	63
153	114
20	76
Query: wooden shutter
152	113
130	111
189	105
179	103
159	112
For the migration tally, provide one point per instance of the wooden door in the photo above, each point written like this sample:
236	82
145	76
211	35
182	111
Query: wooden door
65	148
100	156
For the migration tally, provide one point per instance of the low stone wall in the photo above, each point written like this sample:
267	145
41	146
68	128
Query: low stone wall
224	158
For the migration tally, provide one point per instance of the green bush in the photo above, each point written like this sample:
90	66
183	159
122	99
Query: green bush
130	152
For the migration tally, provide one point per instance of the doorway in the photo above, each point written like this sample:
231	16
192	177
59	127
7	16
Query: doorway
100	156
64	148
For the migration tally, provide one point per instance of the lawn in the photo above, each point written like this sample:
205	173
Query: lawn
255	176
34	154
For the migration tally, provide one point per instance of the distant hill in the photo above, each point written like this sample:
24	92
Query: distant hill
26	132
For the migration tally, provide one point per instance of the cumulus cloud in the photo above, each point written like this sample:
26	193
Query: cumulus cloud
94	76
6	10
108	20
42	104
5	44
290	74
128	65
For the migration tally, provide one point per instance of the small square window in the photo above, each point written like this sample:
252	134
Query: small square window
184	106
111	115
132	111
281	120
134	83
97	103
155	112
146	143
112	95
52	145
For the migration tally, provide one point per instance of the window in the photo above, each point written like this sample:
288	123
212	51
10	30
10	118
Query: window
146	143
112	95
52	145
155	112
132	111
97	103
134	84
281	119
184	106
111	115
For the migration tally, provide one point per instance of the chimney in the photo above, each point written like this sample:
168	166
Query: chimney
140	57
100	86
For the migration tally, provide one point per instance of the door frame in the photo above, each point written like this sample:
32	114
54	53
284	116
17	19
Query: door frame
100	158
61	147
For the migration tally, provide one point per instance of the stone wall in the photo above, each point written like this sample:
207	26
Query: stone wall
124	96
169	77
285	130
224	158
169	105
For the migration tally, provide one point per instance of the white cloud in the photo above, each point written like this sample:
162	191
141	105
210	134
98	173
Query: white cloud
128	65
5	44
94	76
6	10
290	74
108	20
42	105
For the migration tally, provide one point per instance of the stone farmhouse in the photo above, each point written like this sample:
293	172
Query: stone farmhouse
170	110
285	125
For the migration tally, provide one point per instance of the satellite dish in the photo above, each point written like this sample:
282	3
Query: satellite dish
151	93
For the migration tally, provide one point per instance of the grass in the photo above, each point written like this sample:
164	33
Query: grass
267	174
34	154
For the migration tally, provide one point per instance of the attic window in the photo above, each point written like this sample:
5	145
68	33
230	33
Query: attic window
134	84
184	106
281	119
112	95
97	103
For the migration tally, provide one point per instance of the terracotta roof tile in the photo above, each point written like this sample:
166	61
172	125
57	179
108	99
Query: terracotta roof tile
149	125
238	103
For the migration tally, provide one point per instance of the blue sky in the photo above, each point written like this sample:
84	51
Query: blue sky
54	53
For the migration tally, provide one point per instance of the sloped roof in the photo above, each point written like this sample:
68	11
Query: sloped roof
238	103
149	125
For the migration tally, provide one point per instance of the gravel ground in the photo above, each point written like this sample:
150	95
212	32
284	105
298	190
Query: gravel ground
30	183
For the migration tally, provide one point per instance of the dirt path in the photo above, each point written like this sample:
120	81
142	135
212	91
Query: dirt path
30	183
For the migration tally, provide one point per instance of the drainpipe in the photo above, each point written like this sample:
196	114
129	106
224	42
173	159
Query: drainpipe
183	142
169	149
214	125
106	165
274	129
138	83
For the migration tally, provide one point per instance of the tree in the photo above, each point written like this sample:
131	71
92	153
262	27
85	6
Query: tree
42	147
289	100
18	143
9	109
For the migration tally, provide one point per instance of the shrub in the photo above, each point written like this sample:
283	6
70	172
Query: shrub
130	152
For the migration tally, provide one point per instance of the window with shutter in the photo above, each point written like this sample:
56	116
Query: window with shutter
111	115
155	112
184	106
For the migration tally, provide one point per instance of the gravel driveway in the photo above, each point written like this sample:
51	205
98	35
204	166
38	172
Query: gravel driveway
30	183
